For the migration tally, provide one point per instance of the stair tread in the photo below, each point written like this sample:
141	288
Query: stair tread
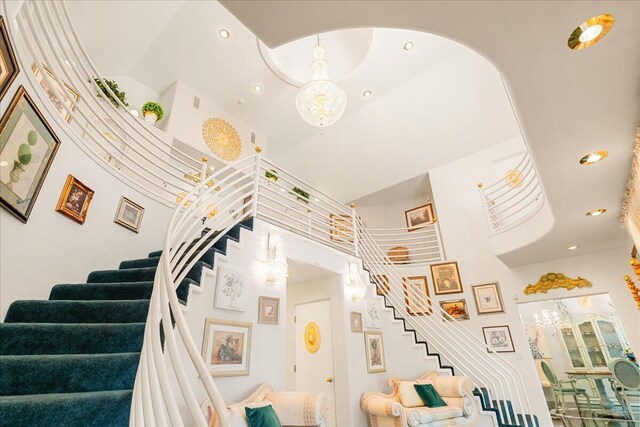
77	311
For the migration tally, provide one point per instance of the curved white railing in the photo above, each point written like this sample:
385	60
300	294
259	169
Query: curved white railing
409	248
511	201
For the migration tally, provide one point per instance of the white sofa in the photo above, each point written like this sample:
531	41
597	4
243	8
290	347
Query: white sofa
294	409
386	410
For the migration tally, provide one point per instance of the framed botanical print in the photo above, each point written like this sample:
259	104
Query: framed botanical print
230	294
446	278
9	68
129	214
356	321
498	338
27	149
487	298
226	347
371	315
457	309
75	199
419	217
269	310
382	283
69	102
416	295
374	348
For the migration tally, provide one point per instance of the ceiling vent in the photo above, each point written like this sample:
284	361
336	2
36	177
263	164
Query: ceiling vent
196	102
253	137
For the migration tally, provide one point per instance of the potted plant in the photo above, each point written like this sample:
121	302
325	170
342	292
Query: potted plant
122	96
152	112
302	195
271	174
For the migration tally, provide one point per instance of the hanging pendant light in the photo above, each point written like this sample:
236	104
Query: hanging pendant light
320	102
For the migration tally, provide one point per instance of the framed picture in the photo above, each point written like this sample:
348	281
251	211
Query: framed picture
226	347
498	338
416	295
75	199
374	347
59	106
371	315
269	310
340	228
382	284
446	278
129	214
27	149
356	321
487	298
9	68
457	309
229	290
419	217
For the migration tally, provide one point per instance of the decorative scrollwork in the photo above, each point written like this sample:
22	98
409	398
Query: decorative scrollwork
222	138
555	281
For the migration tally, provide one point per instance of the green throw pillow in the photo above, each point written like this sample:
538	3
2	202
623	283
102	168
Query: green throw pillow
429	395
264	416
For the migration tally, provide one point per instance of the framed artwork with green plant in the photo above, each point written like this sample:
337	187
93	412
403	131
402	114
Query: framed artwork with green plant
271	174
301	194
28	146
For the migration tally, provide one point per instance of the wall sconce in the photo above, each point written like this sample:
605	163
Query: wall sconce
355	288
274	270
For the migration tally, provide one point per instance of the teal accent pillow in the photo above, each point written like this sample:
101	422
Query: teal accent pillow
429	395
264	416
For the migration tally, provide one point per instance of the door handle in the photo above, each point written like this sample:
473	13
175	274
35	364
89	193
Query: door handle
329	379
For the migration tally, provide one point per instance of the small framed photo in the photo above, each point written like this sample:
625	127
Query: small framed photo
419	217
69	102
487	298
416	295
129	214
371	315
356	321
226	347
9	68
382	284
457	309
446	278
230	292
374	347
75	200
269	310
498	338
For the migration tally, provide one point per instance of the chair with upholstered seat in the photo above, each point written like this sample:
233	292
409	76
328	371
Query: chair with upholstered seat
562	388
625	383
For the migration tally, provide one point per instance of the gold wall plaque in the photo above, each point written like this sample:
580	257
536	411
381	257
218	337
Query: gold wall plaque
556	281
312	337
513	178
222	138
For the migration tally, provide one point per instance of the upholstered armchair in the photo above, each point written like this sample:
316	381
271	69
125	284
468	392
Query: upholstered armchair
387	410
294	409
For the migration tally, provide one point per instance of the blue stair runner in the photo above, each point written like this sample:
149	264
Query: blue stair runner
71	360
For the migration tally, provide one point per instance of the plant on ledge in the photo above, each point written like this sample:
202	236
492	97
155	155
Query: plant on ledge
272	175
122	96
152	112
302	195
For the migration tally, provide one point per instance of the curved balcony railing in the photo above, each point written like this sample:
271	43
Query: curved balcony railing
410	248
513	200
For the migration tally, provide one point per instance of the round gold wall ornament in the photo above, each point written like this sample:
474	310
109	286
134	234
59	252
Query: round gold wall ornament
590	31
312	337
513	178
222	138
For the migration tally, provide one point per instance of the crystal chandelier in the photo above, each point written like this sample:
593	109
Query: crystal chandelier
355	289
547	320
320	102
273	268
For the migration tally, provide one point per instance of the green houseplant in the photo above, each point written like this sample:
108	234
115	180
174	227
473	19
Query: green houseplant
271	174
302	195
152	112
122	96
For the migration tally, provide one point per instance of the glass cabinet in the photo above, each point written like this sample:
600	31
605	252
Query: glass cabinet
576	360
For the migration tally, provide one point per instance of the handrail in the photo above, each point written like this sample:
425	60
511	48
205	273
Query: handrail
422	246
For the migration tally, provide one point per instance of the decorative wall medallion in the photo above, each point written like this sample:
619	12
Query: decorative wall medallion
555	281
222	138
312	337
513	178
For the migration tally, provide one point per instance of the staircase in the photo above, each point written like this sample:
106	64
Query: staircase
72	359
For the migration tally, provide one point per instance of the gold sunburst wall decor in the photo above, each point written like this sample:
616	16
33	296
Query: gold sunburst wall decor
513	178
312	337
222	138
556	281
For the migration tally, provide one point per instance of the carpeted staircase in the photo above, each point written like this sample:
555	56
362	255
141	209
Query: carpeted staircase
72	360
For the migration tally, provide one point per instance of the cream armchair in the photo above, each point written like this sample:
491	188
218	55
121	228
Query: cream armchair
386	410
294	409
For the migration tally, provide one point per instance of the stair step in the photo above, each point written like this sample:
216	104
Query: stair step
113	291
145	274
92	409
70	338
139	263
36	311
67	373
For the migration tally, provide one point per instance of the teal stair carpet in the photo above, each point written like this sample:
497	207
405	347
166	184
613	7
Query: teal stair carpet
72	360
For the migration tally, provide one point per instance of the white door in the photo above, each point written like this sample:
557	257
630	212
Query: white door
314	365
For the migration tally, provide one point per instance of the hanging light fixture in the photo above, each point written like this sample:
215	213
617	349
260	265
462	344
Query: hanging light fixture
547	320
355	288
320	102
274	269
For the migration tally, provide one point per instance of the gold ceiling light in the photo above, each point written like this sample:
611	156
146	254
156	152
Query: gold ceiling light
597	212
590	31
594	157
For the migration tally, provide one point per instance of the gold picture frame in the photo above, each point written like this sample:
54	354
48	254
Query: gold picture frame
75	199
446	278
488	298
47	90
382	284
269	310
226	347
457	309
129	214
419	217
419	286
341	228
356	321
9	68
374	349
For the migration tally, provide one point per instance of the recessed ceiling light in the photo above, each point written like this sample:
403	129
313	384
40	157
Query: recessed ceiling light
596	212
257	88
367	93
590	31
3	163
594	157
408	46
224	33
241	101
315	199
572	247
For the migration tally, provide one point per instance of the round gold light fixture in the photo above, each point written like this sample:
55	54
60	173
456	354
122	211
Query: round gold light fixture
312	337
594	157
591	31
597	212
222	138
